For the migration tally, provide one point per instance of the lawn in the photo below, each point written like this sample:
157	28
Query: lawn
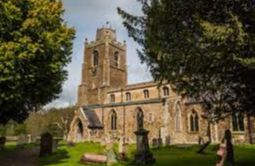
173	155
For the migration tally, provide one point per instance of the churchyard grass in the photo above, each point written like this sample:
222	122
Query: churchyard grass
173	155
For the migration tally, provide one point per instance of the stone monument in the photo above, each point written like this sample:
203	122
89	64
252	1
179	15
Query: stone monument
46	145
2	142
111	157
143	155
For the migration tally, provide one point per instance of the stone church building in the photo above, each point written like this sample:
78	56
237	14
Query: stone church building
108	105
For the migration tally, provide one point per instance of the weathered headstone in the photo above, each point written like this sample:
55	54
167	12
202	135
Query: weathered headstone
155	143
29	138
2	142
46	145
54	145
143	155
111	157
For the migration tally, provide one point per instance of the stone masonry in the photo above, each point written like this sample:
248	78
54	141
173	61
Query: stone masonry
108	105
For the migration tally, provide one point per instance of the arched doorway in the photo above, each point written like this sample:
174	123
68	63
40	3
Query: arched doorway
79	131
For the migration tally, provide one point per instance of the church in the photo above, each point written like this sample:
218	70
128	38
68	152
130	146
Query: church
108	106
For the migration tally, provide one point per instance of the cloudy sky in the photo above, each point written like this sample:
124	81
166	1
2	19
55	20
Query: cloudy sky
86	16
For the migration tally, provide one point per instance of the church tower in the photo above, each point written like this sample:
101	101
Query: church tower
104	67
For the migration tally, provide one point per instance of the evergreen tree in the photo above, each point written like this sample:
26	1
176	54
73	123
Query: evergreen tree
204	49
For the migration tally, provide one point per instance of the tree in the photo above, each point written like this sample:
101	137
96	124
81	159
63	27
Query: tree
204	49
35	47
53	120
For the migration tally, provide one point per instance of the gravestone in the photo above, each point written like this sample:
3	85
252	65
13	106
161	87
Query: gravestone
143	155
29	138
46	145
2	142
54	145
155	143
111	157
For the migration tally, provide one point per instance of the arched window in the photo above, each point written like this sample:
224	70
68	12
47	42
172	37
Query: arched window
194	122
112	98
178	117
166	91
128	96
116	59
238	122
146	93
95	58
113	120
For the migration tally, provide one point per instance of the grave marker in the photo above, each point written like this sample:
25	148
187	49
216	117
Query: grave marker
46	145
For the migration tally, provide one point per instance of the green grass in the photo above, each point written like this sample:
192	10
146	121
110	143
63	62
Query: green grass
167	156
9	148
71	155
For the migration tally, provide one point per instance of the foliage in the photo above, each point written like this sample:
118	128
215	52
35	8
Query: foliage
12	128
35	47
44	121
205	49
2	130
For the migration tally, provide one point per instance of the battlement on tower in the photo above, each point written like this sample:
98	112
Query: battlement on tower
103	34
106	33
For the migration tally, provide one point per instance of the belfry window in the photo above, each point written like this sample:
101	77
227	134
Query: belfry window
128	96
194	122
116	59
166	91
113	120
112	98
146	93
237	122
95	58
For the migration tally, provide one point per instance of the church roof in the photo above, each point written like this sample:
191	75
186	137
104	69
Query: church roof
94	122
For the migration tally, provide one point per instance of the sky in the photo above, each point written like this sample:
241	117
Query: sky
86	16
